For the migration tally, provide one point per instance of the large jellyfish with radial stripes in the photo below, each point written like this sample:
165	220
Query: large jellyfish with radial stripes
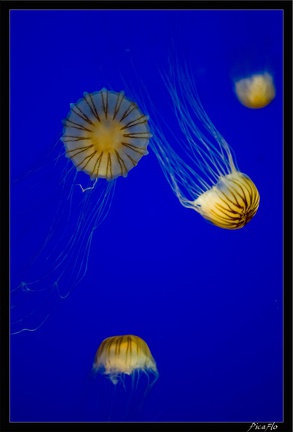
105	135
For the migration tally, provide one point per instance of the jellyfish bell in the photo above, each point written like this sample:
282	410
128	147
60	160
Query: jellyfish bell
231	203
118	356
104	137
253	73
105	134
131	371
202	171
256	91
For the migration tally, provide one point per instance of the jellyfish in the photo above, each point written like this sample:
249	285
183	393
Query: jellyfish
255	91
202	171
253	73
105	134
104	137
128	364
118	356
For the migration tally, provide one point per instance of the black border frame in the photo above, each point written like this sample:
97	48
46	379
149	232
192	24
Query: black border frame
5	7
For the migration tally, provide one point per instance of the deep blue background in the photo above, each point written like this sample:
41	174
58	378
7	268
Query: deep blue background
207	301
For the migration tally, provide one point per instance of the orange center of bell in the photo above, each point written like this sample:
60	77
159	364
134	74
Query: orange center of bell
107	135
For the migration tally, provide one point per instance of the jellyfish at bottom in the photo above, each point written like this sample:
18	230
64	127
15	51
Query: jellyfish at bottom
203	172
104	135
128	364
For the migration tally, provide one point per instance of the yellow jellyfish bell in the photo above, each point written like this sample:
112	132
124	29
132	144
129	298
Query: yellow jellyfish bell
231	203
105	134
255	91
204	175
125	355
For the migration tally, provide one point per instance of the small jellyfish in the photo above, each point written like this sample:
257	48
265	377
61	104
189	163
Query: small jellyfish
118	356
131	370
105	135
202	173
255	91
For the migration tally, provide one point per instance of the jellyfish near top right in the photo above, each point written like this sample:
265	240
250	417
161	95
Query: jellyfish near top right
253	73
256	90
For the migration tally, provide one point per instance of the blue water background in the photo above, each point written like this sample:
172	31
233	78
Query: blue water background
207	301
